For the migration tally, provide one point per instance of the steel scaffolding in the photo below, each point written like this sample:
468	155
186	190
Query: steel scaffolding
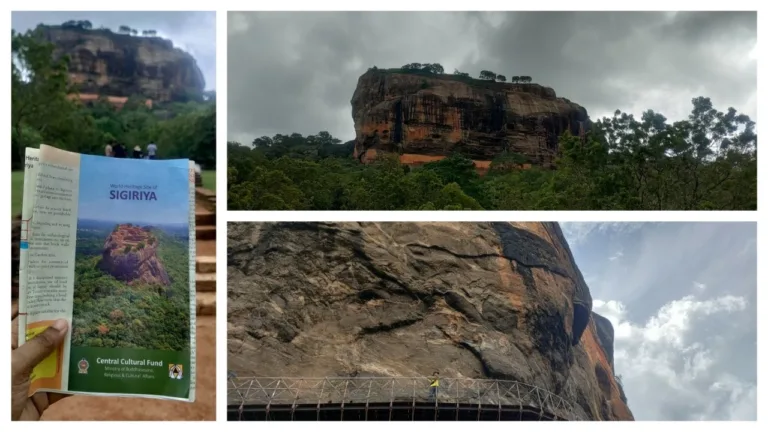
322	393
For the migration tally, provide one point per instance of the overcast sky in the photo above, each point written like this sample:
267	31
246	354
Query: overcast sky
682	298
194	32
296	71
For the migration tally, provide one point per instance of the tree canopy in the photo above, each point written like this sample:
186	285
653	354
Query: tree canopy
705	162
487	75
433	68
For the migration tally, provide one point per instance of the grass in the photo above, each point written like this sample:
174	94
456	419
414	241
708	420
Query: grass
209	180
17	186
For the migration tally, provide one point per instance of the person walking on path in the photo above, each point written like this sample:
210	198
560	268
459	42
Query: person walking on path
152	150
434	385
119	150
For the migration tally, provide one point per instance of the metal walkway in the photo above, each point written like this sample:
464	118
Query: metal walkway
374	398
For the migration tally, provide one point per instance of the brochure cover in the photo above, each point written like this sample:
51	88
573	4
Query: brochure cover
109	245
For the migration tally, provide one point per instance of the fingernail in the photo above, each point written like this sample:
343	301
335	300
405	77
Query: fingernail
60	325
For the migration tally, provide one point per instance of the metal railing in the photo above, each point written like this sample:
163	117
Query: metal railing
271	391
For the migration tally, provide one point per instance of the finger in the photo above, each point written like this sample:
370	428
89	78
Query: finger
41	346
40	401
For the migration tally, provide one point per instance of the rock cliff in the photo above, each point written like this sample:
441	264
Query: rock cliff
426	117
472	300
112	64
130	255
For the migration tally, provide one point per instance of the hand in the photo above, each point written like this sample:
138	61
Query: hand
23	360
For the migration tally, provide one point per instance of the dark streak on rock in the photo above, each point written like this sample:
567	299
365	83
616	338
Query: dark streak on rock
386	327
463	306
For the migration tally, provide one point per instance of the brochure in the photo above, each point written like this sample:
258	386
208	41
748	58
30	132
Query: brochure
108	244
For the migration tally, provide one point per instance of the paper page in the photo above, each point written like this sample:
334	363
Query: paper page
32	160
50	257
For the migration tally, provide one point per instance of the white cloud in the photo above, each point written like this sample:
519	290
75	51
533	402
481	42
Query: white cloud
699	286
669	376
616	256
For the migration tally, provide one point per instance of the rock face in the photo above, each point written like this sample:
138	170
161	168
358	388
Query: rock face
130	255
472	300
425	117
112	64
604	335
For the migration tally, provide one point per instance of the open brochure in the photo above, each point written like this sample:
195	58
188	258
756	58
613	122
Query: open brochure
109	245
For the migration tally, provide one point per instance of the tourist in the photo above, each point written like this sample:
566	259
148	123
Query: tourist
23	360
151	150
119	150
434	384
137	152
108	150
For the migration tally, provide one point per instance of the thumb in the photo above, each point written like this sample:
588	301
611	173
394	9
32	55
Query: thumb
41	346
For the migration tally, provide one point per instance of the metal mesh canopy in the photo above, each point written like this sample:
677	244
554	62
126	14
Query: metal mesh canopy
271	391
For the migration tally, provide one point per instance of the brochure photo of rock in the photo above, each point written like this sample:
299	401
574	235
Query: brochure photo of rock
132	261
132	284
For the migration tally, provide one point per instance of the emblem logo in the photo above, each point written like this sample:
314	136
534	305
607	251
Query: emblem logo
175	371
82	366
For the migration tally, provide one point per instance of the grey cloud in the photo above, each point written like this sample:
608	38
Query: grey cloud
296	72
195	32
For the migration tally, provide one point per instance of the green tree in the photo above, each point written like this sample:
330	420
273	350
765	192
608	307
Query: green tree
412	66
487	75
501	78
461	74
434	68
38	95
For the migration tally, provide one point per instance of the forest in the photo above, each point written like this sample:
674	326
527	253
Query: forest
112	314
44	111
707	161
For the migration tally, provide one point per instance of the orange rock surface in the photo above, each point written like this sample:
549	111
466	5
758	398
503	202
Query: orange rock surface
426	116
117	101
121	65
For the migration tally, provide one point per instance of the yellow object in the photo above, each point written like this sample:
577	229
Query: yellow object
47	367
434	382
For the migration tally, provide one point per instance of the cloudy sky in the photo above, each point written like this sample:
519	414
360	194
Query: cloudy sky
296	72
194	32
682	298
